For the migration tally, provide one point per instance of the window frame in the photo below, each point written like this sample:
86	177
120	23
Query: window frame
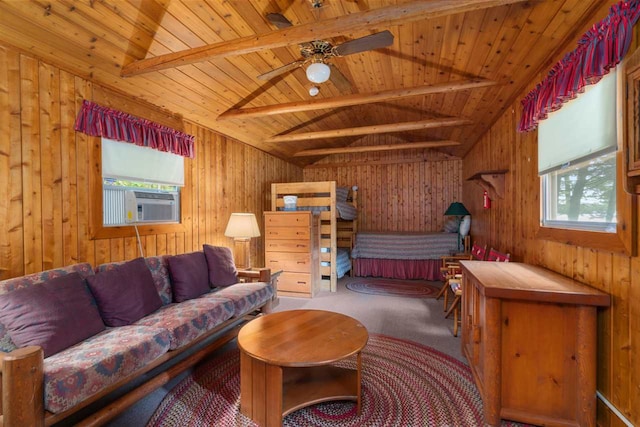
624	239
97	230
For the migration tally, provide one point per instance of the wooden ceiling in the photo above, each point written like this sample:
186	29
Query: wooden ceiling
453	67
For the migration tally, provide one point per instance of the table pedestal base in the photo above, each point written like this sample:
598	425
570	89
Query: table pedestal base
270	392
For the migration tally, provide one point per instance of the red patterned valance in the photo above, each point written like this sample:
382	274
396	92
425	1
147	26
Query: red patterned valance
600	49
96	120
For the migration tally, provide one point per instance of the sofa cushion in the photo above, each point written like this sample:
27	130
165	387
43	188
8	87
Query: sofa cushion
246	297
159	267
190	319
85	369
189	275
54	315
125	293
222	270
10	285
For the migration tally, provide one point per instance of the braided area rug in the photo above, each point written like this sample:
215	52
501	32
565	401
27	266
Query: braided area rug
392	287
403	384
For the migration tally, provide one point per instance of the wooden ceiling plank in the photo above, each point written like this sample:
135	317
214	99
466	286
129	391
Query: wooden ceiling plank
357	99
377	18
365	130
367	148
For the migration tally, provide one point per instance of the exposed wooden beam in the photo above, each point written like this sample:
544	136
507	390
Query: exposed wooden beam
367	148
367	130
342	25
355	99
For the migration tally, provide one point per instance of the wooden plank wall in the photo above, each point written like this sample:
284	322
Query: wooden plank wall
44	182
510	225
405	190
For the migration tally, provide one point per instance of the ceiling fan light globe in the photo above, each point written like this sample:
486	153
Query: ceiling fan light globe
313	90
318	72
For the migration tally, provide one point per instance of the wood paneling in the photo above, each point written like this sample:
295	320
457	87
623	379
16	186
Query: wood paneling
511	225
406	190
46	167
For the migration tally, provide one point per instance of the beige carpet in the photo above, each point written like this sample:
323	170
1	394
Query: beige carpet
416	319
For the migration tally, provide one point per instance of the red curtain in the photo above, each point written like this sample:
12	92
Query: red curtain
600	49
96	120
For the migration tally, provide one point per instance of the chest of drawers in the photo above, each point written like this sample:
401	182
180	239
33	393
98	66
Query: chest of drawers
529	335
292	245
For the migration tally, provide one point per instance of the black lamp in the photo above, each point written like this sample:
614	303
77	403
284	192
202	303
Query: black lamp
457	209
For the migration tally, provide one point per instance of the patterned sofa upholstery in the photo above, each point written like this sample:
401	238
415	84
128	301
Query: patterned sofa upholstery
80	374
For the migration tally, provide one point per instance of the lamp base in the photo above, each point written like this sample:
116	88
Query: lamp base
242	252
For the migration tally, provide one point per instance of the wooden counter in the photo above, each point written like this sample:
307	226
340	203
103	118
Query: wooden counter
529	335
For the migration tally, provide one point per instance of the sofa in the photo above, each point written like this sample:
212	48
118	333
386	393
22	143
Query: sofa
79	344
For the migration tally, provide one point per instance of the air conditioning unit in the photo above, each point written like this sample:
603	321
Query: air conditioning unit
149	206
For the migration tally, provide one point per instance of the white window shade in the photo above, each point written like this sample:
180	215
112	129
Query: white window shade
583	127
128	161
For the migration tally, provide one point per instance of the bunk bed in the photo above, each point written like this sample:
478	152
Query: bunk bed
400	255
337	207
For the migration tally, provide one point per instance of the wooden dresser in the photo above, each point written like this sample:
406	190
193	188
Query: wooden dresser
529	335
292	244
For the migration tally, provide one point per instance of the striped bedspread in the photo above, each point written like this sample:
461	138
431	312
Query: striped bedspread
404	245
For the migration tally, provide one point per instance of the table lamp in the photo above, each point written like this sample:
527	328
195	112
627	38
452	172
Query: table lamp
457	209
242	227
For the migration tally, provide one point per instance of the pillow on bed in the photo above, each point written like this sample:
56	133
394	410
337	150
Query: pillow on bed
451	226
342	193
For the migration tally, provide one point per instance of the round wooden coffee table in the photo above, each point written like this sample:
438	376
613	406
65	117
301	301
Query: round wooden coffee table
285	362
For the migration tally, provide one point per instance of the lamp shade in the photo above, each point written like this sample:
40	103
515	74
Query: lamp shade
318	72
456	209
242	225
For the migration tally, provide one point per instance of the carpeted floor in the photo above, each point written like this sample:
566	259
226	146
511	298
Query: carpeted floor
420	320
403	384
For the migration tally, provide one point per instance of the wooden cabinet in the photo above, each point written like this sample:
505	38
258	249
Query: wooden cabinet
530	338
292	245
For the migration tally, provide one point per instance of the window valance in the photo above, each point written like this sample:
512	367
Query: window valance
96	120
600	49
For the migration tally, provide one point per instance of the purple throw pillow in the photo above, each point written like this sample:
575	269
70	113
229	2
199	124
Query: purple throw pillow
189	275
222	270
54	315
126	293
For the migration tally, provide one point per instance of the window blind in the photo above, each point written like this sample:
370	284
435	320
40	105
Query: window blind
131	162
584	127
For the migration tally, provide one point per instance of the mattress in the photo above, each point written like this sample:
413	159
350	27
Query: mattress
343	262
407	246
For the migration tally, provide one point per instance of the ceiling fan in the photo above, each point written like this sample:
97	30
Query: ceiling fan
318	52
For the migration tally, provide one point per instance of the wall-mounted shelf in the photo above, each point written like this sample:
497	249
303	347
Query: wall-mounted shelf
492	181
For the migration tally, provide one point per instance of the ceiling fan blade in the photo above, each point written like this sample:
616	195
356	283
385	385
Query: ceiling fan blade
339	80
370	42
281	70
278	20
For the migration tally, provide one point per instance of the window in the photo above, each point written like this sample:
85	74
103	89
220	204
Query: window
577	161
139	184
582	196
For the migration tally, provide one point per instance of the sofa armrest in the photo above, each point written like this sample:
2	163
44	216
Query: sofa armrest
22	387
263	275
259	274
